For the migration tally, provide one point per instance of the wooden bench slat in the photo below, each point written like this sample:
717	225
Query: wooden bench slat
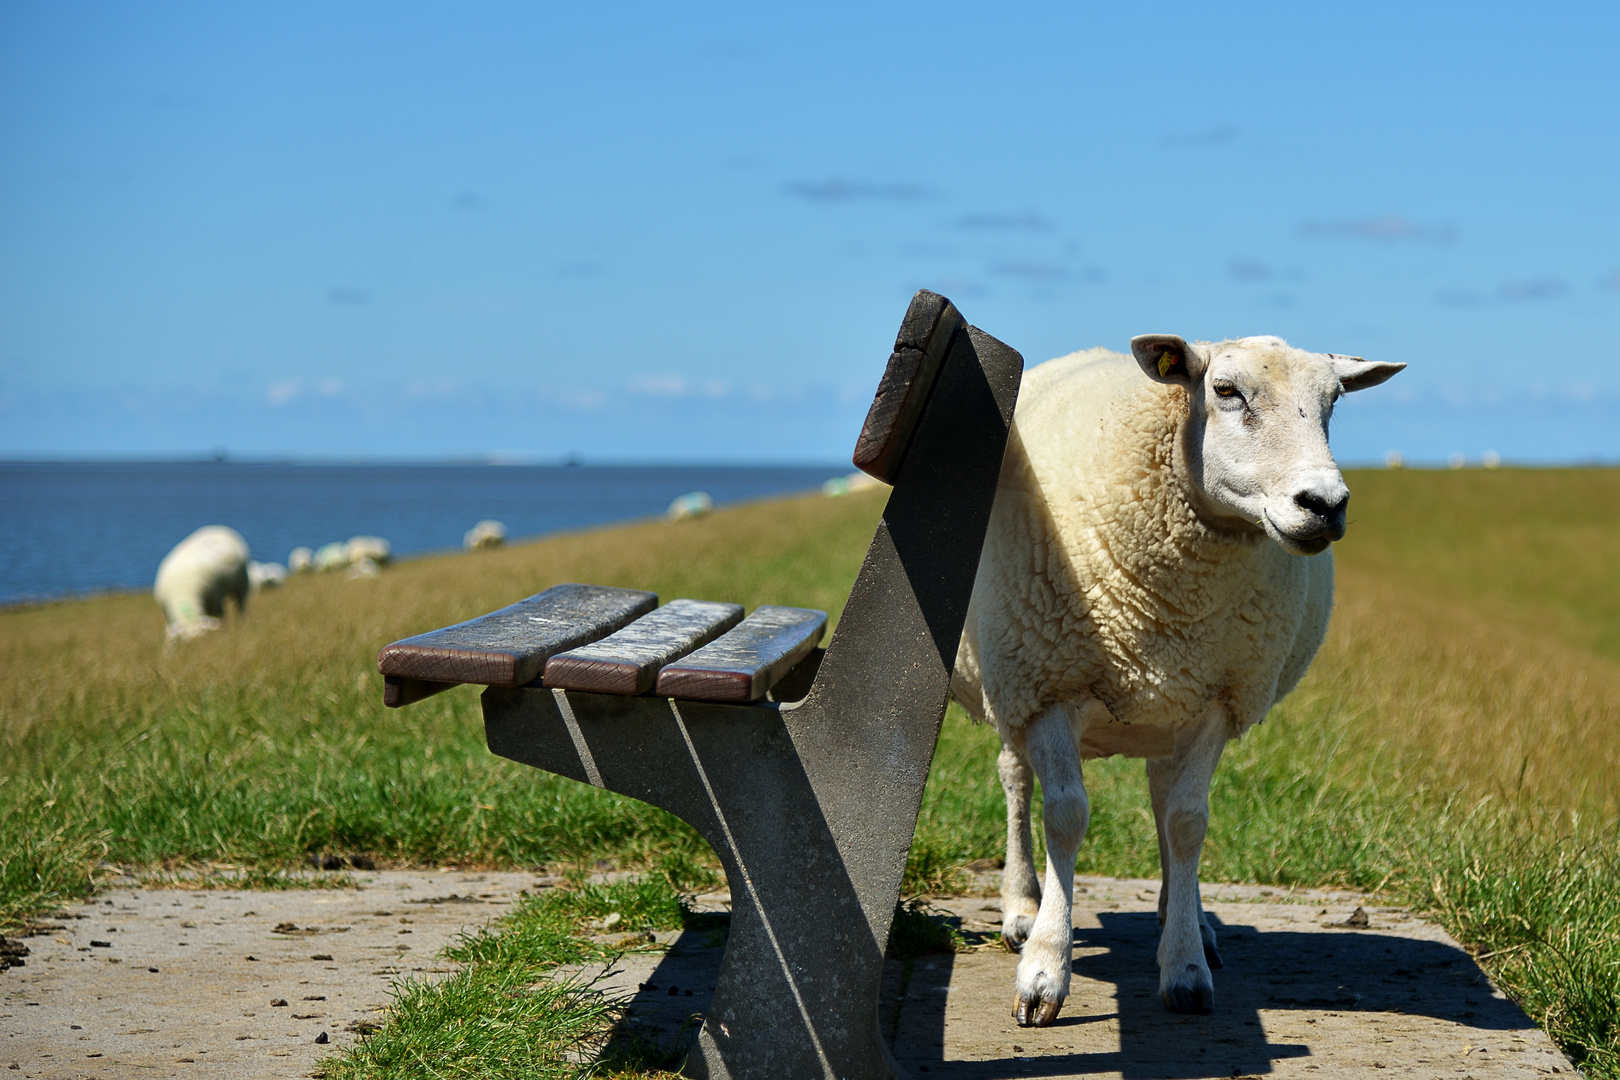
744	664
925	337
627	662
509	647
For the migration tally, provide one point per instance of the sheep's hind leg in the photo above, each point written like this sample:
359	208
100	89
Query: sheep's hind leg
1185	985
1044	967
1159	773
1020	891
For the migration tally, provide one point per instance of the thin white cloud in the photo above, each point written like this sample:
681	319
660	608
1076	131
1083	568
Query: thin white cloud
1391	228
1533	289
840	190
669	385
1203	139
1460	298
1519	291
1249	270
1030	270
430	388
574	398
664	386
993	222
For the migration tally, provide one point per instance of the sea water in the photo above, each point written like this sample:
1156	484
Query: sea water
70	528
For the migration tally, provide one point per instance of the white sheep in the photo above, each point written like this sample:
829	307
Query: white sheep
301	560
486	534
328	557
196	578
373	549
265	575
847	485
1154	578
694	504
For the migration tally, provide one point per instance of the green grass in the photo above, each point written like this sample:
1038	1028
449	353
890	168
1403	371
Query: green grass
505	1013
1534	547
261	746
1455	746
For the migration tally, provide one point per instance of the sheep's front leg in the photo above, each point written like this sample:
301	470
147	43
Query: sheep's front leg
1180	786
1043	969
1020	891
1159	773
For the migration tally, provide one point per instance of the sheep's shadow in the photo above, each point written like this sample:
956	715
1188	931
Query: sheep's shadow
1338	971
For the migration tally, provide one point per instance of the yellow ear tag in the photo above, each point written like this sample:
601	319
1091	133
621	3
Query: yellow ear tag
1167	360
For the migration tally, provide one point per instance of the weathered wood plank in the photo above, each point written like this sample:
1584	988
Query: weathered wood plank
510	647
744	664
627	662
920	348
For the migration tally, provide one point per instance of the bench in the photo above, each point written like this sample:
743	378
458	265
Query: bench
803	768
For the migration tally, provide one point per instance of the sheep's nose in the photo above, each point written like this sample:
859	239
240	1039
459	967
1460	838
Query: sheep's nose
1330	507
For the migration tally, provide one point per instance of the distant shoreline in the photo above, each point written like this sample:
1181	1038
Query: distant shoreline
99	527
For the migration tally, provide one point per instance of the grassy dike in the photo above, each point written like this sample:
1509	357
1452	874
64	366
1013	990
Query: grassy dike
1455	746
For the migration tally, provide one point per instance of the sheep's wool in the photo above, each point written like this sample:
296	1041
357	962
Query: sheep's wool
1099	580
196	578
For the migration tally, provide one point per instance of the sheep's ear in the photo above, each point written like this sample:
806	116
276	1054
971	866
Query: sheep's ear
1167	358
1357	374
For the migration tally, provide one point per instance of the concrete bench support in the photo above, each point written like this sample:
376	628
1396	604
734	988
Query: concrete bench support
811	805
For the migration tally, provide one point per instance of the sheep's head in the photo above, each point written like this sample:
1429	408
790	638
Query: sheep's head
1257	436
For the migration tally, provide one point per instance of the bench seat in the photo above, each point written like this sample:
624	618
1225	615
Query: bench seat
609	641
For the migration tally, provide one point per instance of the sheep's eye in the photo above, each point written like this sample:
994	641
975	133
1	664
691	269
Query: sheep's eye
1225	389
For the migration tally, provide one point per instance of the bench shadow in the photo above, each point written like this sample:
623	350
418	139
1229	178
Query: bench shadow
660	1023
1333	972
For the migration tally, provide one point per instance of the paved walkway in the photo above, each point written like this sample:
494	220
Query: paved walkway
186	983
1301	995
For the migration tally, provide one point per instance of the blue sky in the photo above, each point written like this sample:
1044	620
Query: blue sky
688	232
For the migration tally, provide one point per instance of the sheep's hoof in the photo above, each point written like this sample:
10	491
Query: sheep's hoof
1035	1012
1194	994
1016	932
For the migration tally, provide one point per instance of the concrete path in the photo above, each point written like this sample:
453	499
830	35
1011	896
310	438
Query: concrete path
1301	995
173	982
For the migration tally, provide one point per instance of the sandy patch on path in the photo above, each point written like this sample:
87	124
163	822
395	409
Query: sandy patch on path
222	959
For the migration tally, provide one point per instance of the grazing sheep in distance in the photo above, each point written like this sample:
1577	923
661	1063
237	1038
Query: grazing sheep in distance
692	504
1154	578
367	555
265	575
486	534
362	556
196	578
370	548
848	485
333	556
